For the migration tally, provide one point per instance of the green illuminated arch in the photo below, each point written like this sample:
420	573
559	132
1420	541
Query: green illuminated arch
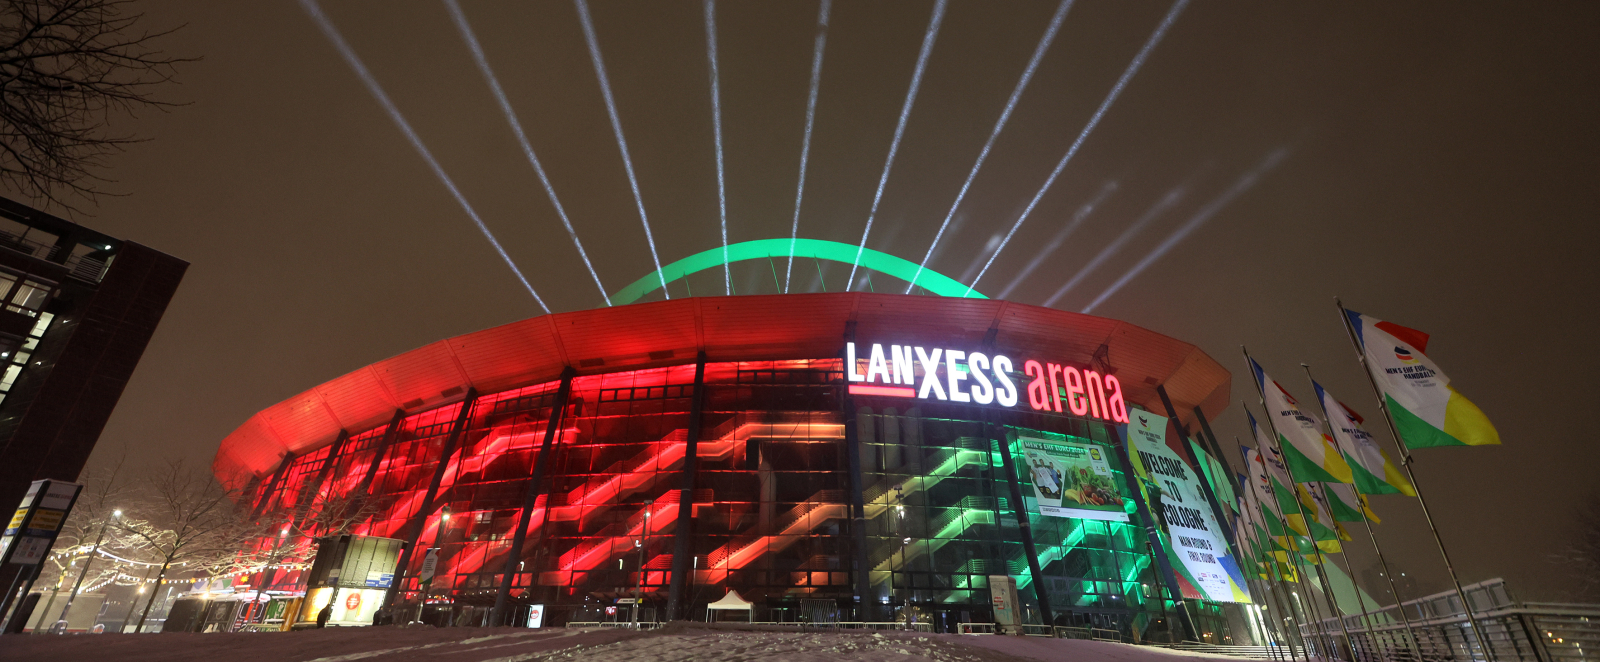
819	249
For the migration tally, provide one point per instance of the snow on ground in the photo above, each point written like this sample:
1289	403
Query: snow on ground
671	644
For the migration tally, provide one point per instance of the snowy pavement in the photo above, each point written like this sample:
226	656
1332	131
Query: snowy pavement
671	644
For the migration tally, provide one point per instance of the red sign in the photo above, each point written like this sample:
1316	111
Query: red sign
353	602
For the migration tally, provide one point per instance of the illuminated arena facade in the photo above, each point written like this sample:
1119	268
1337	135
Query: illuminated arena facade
816	487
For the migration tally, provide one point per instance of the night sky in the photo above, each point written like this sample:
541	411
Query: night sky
1437	168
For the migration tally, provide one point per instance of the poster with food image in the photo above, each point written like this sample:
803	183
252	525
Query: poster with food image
1072	480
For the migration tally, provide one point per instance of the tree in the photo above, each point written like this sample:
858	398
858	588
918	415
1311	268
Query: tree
1582	556
84	534
67	68
287	536
190	521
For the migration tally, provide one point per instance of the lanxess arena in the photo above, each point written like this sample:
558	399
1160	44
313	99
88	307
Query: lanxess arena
830	457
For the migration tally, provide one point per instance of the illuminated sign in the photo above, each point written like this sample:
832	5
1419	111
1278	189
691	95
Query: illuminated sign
953	375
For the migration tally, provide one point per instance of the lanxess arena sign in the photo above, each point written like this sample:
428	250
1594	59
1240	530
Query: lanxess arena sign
909	371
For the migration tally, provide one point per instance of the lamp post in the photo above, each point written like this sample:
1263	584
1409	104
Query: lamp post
638	589
438	543
61	623
899	524
133	602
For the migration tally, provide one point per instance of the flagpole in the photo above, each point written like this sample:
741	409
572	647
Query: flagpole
1310	603
1257	582
1405	463
1388	576
1274	575
1273	623
1294	551
1288	468
1296	611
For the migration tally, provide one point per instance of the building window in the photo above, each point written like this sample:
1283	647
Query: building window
16	359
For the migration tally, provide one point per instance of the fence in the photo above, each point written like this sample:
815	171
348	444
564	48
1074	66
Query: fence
1517	631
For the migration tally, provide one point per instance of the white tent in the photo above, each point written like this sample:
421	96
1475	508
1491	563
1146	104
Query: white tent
729	601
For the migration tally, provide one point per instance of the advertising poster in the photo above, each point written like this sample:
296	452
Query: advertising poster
1194	540
1072	480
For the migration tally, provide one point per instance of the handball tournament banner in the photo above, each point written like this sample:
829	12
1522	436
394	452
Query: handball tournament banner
1072	480
1193	539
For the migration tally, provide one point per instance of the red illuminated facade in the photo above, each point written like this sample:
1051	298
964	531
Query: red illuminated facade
688	447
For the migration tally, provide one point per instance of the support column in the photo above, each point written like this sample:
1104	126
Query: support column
1021	513
868	608
272	485
308	493
1158	552
682	550
530	497
389	434
420	519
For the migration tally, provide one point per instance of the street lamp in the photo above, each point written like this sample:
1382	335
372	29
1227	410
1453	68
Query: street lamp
638	589
61	623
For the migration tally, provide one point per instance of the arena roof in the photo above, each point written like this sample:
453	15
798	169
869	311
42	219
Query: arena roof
738	328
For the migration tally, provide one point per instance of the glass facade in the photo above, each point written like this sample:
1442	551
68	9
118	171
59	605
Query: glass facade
771	500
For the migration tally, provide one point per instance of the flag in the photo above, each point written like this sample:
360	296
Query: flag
1215	473
1291	515
1342	503
1427	411
1369	465
1270	484
1311	455
1325	528
1263	543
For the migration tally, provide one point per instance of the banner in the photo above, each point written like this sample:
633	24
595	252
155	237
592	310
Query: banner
1205	568
1370	466
1310	454
1427	410
1072	480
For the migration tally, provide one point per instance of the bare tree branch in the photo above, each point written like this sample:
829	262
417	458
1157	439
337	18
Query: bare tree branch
191	521
67	68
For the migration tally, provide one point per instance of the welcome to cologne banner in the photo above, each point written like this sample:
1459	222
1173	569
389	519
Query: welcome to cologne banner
1195	542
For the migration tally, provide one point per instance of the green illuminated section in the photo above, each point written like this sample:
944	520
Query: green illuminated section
818	249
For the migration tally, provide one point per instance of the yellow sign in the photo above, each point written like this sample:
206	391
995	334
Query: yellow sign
47	520
16	519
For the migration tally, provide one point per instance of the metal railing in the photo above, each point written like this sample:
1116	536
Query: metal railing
81	267
1517	631
1247	652
615	625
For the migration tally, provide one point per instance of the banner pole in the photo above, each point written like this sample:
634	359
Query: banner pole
1371	623
1405	463
1264	618
1333	601
1276	572
1297	611
1310	604
1273	576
